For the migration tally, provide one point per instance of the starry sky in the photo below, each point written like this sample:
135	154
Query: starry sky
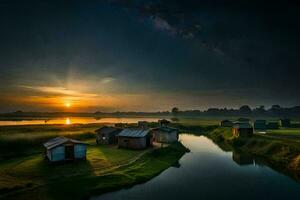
137	55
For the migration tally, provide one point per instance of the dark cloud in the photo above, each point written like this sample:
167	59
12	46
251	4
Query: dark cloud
248	49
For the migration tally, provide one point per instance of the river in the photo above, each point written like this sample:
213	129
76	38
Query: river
209	173
76	120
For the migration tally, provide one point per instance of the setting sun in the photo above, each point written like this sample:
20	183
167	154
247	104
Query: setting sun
68	105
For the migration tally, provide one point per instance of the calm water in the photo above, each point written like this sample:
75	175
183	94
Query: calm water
75	120
210	173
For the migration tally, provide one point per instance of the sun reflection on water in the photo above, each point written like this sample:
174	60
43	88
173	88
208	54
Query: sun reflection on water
68	121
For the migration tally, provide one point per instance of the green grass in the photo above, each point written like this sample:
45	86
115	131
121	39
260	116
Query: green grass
104	170
285	131
28	139
24	174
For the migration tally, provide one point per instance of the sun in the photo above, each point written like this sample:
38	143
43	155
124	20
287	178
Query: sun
68	105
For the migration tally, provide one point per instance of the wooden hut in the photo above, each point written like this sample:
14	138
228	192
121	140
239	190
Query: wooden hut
165	134
107	135
164	122
272	125
260	125
135	138
285	123
242	130
64	149
226	123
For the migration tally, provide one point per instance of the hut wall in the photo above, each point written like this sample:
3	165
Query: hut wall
260	126
107	138
235	132
102	138
245	132
79	151
132	143
161	136
48	153
112	138
58	153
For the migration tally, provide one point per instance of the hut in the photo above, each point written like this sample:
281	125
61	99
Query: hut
135	138
272	125
64	149
260	125
107	135
226	123
165	134
242	130
285	123
164	122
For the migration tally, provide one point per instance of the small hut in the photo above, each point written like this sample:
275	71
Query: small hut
242	130
285	123
272	125
64	149
226	123
260	125
135	138
164	122
107	135
165	134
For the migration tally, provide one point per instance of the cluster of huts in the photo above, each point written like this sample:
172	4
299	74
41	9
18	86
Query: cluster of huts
243	128
139	137
131	137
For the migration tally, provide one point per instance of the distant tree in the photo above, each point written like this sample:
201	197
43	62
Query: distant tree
260	110
245	109
175	111
276	110
275	107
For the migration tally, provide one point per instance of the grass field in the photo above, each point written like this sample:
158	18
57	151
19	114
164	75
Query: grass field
24	174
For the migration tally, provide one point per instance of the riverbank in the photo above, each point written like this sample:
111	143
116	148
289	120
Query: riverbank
24	174
279	152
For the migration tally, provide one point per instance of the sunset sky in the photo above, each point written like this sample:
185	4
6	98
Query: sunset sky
135	55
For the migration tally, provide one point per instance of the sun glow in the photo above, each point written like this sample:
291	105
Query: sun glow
68	121
68	105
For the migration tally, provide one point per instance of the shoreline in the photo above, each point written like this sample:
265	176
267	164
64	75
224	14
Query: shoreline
281	155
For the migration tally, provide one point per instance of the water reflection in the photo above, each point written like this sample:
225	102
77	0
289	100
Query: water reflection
208	172
68	121
76	120
242	158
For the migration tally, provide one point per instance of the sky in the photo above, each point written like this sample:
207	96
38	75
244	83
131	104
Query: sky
137	55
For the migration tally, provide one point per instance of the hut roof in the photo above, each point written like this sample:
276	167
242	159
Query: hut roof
166	129
134	132
59	141
107	129
242	125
